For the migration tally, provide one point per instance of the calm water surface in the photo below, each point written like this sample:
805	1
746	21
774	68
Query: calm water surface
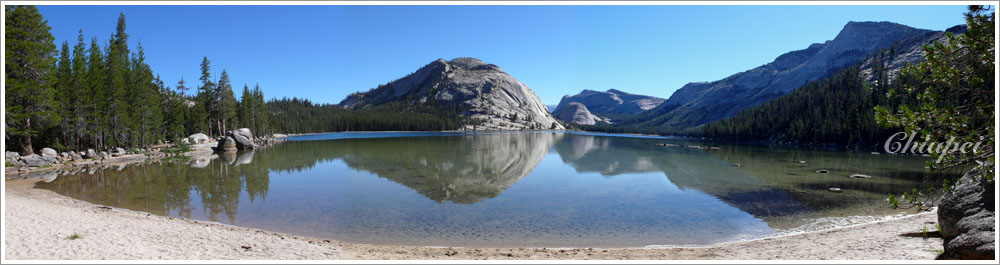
544	189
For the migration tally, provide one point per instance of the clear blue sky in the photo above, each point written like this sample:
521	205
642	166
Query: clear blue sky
327	52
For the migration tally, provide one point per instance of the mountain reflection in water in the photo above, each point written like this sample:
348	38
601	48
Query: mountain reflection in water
564	188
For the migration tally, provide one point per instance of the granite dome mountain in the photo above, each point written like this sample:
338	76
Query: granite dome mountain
489	97
590	107
699	103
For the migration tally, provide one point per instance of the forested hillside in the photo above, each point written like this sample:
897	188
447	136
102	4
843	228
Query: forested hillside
834	111
302	116
104	95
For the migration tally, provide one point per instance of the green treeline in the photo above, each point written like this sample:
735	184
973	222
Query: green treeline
837	111
302	116
833	111
104	95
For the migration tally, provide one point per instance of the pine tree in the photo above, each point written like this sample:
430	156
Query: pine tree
78	83
207	98
145	92
65	97
227	102
181	87
260	112
246	104
118	86
96	82
28	83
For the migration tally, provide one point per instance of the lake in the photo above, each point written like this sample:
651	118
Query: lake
510	189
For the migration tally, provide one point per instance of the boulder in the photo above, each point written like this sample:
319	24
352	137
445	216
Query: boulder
198	138
119	152
35	160
226	145
91	154
12	156
244	139
966	216
104	155
17	163
49	152
185	141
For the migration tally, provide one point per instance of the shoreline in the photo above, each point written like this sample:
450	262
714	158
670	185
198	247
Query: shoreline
38	224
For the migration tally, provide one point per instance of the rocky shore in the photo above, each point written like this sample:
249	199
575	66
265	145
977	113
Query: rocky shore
199	147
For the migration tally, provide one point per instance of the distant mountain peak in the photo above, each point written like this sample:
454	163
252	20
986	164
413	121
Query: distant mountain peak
703	102
588	107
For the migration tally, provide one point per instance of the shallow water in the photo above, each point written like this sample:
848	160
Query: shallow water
542	189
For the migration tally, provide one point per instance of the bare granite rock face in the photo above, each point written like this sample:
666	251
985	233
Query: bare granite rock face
966	216
905	52
577	113
601	103
485	94
704	102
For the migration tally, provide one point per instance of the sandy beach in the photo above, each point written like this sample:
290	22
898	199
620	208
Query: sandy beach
40	224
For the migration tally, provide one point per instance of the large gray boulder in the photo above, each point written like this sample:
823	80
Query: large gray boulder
198	138
49	152
226	145
966	218
91	154
243	138
35	160
118	152
12	156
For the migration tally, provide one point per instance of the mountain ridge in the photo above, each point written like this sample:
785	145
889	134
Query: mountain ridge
699	103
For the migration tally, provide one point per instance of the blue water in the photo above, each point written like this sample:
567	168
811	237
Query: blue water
507	189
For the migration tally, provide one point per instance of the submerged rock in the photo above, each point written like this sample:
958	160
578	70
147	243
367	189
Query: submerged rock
859	176
966	216
823	171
